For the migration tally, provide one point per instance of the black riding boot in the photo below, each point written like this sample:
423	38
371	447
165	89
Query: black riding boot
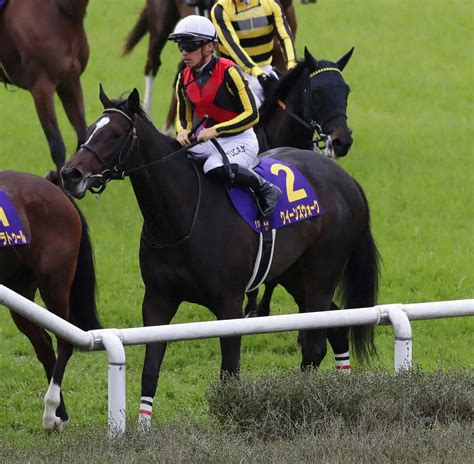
267	194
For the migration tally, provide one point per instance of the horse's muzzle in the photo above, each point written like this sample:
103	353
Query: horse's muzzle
341	141
75	182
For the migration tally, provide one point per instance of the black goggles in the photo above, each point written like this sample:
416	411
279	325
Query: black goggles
190	46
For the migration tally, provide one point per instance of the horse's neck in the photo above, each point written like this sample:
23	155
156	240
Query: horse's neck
73	9
280	128
166	192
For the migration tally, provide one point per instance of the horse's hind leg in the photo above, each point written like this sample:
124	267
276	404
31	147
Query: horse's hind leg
338	338
310	298
43	95
161	24
41	341
173	108
73	103
55	293
38	337
55	416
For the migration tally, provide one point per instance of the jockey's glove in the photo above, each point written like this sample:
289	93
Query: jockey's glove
266	81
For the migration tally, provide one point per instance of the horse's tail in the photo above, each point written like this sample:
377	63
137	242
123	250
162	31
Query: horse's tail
138	31
360	283
83	310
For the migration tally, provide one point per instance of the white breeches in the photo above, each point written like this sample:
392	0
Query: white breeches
241	149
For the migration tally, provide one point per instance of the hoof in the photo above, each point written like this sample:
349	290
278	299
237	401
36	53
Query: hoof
53	425
144	423
251	314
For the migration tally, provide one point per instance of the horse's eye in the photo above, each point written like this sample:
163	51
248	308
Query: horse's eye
116	135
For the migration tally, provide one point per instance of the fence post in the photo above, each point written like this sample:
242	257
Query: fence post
403	335
116	379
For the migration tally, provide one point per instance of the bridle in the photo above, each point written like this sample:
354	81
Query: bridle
116	170
321	142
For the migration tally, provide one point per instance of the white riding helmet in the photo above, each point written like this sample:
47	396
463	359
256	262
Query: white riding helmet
193	28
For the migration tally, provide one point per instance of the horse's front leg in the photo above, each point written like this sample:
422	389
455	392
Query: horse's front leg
43	95
72	98
230	346
156	310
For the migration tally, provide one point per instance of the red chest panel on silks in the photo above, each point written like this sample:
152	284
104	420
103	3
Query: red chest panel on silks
203	98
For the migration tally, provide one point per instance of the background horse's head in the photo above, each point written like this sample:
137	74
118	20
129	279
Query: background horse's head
110	141
325	104
314	96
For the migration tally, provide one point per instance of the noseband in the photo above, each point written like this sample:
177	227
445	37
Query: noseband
115	169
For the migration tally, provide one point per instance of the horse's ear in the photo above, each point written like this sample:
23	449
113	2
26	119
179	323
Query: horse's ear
133	102
310	60
343	60
104	98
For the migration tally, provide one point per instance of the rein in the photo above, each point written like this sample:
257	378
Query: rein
322	140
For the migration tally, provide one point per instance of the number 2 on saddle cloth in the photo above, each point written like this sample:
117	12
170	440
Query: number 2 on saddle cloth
297	203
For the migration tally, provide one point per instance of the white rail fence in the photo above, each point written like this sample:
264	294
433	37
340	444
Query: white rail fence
114	340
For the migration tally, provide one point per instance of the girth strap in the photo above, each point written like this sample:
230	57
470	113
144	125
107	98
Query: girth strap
264	258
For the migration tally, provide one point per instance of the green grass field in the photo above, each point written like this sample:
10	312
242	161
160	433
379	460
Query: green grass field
411	110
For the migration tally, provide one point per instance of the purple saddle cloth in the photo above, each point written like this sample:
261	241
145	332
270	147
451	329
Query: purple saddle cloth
297	202
3	4
11	229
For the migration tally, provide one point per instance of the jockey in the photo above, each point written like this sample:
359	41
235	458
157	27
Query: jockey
215	87
246	29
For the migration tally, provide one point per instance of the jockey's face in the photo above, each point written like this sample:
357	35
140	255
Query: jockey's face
196	58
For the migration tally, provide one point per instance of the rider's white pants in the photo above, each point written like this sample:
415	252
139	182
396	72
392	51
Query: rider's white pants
241	149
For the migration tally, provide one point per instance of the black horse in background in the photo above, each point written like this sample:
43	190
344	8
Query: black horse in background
307	105
189	223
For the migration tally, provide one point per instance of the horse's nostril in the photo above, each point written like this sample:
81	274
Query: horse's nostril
70	174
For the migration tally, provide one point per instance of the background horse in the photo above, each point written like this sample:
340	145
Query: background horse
189	223
59	262
44	49
309	100
158	18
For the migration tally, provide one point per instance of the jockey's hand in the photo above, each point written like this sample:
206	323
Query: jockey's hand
207	134
266	81
183	137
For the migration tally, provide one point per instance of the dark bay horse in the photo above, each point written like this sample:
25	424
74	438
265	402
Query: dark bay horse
44	49
59	263
307	102
158	18
189	223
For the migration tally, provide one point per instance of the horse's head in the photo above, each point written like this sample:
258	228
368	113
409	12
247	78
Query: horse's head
109	143
325	103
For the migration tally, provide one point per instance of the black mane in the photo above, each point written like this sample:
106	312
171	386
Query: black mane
281	88
122	105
